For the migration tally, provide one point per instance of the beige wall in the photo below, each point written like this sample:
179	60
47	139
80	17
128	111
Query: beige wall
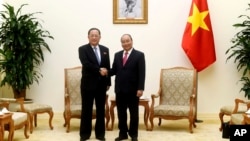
160	39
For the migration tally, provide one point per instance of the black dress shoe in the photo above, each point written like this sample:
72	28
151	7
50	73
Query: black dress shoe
120	138
84	139
101	138
134	139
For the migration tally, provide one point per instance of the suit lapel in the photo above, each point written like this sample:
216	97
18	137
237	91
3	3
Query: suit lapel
102	52
130	57
120	57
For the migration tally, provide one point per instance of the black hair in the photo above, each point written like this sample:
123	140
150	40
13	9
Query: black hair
94	28
129	36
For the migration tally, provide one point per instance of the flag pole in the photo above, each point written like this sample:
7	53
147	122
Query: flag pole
196	101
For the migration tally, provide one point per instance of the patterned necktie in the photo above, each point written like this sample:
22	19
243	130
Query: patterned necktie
125	58
97	56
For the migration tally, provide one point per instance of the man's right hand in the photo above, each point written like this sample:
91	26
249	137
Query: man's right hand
103	71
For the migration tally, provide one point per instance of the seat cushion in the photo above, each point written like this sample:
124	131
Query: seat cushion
76	110
19	117
237	119
172	110
229	109
35	107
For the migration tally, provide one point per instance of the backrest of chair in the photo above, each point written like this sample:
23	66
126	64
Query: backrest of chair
177	85
72	84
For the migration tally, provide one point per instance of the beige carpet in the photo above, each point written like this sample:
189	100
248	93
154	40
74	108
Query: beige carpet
169	131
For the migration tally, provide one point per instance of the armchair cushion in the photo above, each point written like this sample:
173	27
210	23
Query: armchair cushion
236	119
19	117
240	106
35	107
76	110
175	110
228	109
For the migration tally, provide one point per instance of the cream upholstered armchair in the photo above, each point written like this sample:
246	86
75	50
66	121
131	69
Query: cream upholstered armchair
237	110
237	116
20	119
72	97
33	109
177	96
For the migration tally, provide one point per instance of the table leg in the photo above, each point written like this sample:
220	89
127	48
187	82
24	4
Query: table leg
112	115
11	130
2	131
146	114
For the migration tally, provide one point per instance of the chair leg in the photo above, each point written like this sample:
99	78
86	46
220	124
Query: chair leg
31	122
191	126
151	118
68	125
67	118
194	125
51	114
26	128
35	119
64	116
221	114
107	116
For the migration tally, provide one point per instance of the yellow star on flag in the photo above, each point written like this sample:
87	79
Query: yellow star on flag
197	19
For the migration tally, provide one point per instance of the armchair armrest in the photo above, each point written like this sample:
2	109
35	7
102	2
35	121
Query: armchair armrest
4	104
7	99
248	105
19	101
192	104
153	97
66	92
67	102
192	99
237	104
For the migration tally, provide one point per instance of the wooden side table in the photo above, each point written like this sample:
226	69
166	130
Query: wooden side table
142	102
6	119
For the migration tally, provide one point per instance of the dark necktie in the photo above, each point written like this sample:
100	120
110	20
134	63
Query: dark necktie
125	58
97	56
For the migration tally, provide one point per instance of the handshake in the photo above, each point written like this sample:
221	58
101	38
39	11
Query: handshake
103	71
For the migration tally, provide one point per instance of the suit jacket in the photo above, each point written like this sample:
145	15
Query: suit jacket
130	77
91	78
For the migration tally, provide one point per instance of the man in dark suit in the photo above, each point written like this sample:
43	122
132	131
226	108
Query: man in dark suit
129	68
94	84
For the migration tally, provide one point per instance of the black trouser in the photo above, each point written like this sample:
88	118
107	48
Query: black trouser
123	102
88	97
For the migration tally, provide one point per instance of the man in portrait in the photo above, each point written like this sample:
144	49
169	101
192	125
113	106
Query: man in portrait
130	9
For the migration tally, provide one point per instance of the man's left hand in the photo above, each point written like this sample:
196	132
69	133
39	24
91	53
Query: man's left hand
139	93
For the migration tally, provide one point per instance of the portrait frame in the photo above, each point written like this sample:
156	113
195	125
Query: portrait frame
140	15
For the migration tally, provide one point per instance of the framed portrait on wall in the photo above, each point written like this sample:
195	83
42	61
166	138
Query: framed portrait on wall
130	11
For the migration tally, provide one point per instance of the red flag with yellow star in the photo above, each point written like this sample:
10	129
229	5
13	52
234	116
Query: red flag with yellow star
198	40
